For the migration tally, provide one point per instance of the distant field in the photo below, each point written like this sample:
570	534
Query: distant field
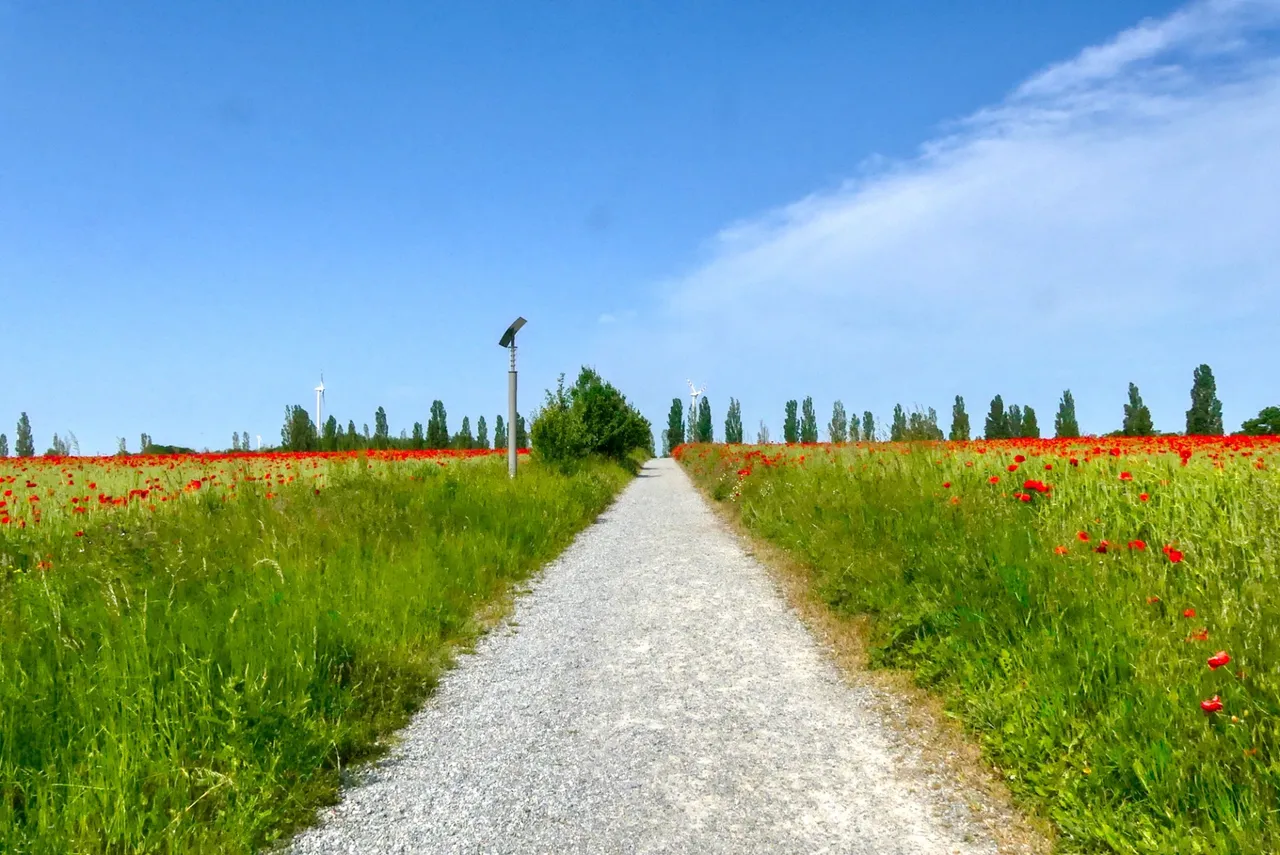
1104	614
191	647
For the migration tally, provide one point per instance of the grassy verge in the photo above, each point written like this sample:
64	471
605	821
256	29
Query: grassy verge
193	681
1071	660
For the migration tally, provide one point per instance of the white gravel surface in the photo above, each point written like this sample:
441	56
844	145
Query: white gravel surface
653	693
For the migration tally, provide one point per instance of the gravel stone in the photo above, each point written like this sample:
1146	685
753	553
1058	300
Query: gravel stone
652	693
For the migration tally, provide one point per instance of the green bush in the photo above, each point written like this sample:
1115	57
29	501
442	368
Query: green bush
591	418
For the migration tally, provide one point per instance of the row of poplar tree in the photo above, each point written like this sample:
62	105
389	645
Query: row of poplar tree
800	423
299	433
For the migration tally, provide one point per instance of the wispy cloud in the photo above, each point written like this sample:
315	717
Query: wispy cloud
1097	222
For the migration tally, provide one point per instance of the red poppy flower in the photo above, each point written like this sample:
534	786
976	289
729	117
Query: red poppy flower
1125	476
79	534
1189	613
946	484
1018	458
1059	550
1138	545
1212	705
1102	546
1082	536
1013	467
1218	659
1024	497
1048	466
1174	556
994	479
1152	600
1142	497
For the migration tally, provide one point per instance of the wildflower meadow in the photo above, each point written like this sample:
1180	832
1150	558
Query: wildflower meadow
1103	614
193	647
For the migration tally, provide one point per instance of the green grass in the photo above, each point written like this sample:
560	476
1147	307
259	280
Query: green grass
1083	688
194	680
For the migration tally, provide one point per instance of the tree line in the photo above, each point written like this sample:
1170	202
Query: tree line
300	434
1016	421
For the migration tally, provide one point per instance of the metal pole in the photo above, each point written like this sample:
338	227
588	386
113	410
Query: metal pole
511	413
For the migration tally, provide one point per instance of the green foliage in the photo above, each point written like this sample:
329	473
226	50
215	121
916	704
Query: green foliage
868	427
1065	425
1013	417
195	680
482	433
4	445
704	430
298	433
59	447
1137	418
463	439
381	430
438	426
352	441
1030	425
499	433
1267	423
1205	416
592	418
790	424
997	426
23	443
854	431
808	421
838	427
898	427
733	422
675	425
522	433
922	426
959	422
329	441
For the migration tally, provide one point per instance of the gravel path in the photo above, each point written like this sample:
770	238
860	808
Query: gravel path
655	694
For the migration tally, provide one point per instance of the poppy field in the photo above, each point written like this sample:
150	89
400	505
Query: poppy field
193	647
1103	614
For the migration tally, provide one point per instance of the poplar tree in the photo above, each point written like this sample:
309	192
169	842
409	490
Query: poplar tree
790	424
464	440
997	426
381	431
499	433
1014	418
762	435
733	422
808	421
959	422
1137	418
838	427
23	444
868	426
898	427
522	433
235	440
675	425
704	421
419	439
438	426
4	445
854	432
353	441
1030	427
1065	425
330	440
1205	416
482	433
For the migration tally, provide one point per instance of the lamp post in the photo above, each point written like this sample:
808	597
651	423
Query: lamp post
508	340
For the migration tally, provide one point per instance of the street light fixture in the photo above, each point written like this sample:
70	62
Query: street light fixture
508	340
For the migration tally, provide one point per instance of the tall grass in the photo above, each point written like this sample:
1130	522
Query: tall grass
194	680
1072	661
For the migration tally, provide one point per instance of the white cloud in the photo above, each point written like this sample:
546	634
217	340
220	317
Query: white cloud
1094	224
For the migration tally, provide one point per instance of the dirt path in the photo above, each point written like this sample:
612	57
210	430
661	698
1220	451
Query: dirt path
654	694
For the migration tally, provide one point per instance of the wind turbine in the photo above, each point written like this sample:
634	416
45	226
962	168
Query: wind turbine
320	403
694	393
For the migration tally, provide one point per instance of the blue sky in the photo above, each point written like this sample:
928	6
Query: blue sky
202	206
